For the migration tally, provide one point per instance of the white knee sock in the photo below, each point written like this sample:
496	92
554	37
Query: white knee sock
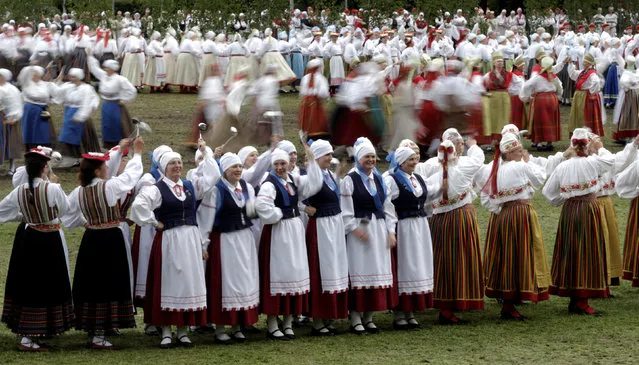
318	323
271	323
400	317
288	321
166	331
356	319
368	317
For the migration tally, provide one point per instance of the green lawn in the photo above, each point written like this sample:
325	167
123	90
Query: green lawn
551	335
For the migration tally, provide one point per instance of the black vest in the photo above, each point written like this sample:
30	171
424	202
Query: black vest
288	211
407	205
173	212
363	202
325	201
229	217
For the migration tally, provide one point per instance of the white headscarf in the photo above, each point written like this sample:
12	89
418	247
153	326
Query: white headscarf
245	152
321	148
228	160
168	157
76	72
287	146
279	155
363	146
402	154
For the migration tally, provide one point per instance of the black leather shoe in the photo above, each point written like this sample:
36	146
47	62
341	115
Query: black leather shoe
356	330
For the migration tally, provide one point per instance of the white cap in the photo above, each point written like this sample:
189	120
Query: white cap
287	146
111	64
321	148
363	146
245	152
508	142
402	154
229	160
6	74
168	157
279	155
76	72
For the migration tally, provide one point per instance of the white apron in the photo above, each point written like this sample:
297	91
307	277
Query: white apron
240	271
289	260
415	274
333	260
369	263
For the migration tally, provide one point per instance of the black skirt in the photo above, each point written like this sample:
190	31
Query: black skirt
101	284
38	291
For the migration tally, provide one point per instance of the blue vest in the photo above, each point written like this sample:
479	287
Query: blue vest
288	211
230	217
407	205
363	202
173	212
325	201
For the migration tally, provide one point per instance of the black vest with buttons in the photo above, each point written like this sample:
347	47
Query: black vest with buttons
363	202
325	201
229	217
288	211
407	205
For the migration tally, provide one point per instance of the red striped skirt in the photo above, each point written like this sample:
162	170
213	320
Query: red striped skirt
214	310
409	302
631	245
517	111
628	126
457	259
509	258
312	118
276	305
323	305
579	261
544	118
592	114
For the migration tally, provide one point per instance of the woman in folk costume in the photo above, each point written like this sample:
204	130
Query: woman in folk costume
474	116
429	116
333	51
175	287
187	75
143	237
115	91
586	109
284	270
232	272
626	114
80	101
44	53
37	300
613	61
11	112
515	256
298	45
266	93
413	256
543	91
171	52
517	108
154	71
78	59
404	109
222	52
326	247
566	55
579	261
105	48
209	57
271	56
133	58
94	204
627	187
314	90
497	100
459	278
238	61
369	221
622	159
37	126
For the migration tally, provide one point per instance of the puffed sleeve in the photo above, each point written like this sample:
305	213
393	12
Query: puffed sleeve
527	90
552	190
19	177
346	203
603	161
73	218
536	174
625	157
206	215
144	204
9	208
205	176
253	176
113	165
90	102
57	198
265	204
146	180
96	70
389	209
127	90
126	181
311	183
470	164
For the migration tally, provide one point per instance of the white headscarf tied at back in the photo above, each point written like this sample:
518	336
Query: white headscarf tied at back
321	148
167	158
229	160
279	155
245	152
403	154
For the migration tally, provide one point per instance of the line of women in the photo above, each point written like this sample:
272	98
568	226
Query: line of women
252	235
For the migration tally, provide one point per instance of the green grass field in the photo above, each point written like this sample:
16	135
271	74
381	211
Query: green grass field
551	335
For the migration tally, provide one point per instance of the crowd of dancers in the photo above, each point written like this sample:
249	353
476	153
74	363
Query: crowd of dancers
245	234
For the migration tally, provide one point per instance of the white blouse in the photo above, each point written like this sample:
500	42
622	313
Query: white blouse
539	84
82	97
10	209
515	181
11	102
348	208
320	86
114	87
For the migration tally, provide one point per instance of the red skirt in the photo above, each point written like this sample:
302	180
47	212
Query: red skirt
153	313
475	121
409	302
350	125
372	300
631	245
312	117
517	115
323	305
545	121
135	257
276	305
432	120
214	310
592	114
198	117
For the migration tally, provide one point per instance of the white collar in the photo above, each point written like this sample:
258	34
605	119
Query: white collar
228	184
170	182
